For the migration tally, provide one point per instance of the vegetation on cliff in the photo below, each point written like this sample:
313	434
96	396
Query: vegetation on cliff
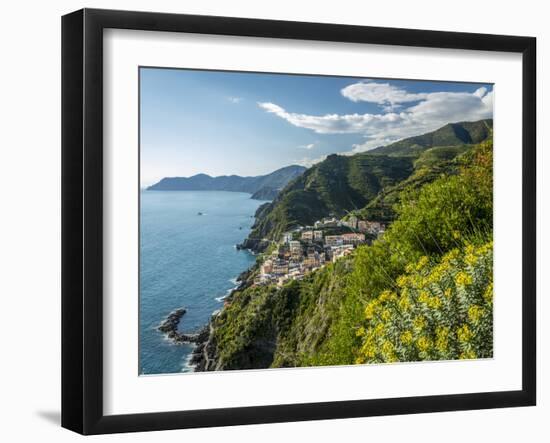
452	134
370	183
440	309
422	291
334	187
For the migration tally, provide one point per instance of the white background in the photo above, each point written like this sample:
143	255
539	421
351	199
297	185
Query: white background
126	393
30	221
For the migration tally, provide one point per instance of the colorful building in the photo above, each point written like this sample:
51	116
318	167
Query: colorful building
287	237
353	238
351	222
334	240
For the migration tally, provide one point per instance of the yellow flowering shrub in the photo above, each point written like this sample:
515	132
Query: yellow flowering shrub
407	337
463	279
438	310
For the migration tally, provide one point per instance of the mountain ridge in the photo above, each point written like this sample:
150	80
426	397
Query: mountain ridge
451	134
260	187
387	301
342	184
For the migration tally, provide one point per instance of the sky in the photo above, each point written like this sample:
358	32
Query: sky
223	123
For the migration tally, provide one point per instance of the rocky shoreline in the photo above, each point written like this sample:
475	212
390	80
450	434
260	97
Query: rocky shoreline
203	355
253	245
169	326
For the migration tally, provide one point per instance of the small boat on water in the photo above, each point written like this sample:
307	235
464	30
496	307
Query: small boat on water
200	213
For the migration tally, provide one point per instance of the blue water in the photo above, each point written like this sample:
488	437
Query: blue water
187	260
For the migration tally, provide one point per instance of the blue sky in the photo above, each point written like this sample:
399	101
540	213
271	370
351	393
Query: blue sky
223	123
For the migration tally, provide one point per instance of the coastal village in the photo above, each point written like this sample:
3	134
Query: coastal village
308	248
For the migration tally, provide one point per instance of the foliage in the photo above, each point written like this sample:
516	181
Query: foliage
452	134
442	214
452	212
265	326
435	156
368	183
421	292
438	311
430	165
333	187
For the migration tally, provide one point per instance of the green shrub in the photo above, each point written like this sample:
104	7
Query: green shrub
439	310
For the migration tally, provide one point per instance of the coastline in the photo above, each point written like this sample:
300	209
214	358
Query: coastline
201	358
193	334
169	326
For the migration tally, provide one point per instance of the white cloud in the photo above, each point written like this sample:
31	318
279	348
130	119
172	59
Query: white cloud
480	92
329	123
308	147
235	100
434	110
380	93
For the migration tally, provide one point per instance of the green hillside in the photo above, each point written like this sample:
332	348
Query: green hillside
428	166
333	187
452	134
369	183
423	291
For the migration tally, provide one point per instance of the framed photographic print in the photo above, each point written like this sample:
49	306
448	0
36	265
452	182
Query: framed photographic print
269	221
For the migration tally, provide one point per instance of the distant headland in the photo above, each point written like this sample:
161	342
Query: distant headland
262	187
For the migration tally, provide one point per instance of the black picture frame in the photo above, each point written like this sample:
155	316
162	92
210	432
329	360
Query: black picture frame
82	220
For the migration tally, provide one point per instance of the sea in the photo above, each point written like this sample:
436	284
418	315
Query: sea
188	259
